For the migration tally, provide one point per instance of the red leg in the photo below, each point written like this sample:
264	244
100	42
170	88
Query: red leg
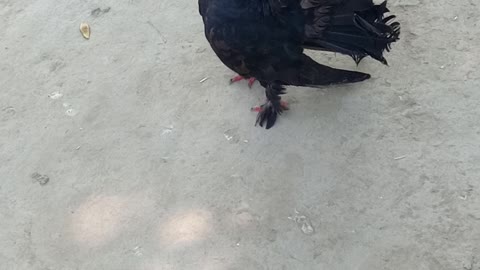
256	109
251	81
236	79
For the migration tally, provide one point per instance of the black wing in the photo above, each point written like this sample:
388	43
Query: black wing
254	38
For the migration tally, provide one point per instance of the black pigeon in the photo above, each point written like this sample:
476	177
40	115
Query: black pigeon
265	39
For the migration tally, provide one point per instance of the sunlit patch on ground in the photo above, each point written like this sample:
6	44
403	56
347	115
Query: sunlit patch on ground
99	220
185	228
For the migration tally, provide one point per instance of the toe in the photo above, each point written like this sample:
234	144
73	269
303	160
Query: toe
251	81
284	105
236	79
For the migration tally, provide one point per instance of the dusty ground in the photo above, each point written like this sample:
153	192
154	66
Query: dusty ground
113	155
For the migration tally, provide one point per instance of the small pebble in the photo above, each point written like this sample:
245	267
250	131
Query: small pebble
71	112
303	222
42	179
55	95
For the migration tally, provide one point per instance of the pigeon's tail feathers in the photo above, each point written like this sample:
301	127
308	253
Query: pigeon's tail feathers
314	74
359	33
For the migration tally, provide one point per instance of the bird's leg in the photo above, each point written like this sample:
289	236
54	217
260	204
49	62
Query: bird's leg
238	78
267	113
251	81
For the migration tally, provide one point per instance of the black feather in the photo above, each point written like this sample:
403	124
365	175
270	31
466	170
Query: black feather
356	28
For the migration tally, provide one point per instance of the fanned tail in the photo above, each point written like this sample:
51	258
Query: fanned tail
359	33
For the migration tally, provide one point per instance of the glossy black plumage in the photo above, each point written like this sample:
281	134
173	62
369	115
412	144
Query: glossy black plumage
265	39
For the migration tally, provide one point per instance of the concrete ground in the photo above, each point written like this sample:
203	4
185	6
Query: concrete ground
114	155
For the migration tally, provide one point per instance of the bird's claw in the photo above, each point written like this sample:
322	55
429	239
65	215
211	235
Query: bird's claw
283	104
251	81
238	78
268	112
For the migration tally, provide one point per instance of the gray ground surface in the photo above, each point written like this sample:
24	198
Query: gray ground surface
150	169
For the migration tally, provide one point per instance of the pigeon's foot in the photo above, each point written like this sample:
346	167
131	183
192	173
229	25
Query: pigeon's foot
238	78
267	113
283	105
